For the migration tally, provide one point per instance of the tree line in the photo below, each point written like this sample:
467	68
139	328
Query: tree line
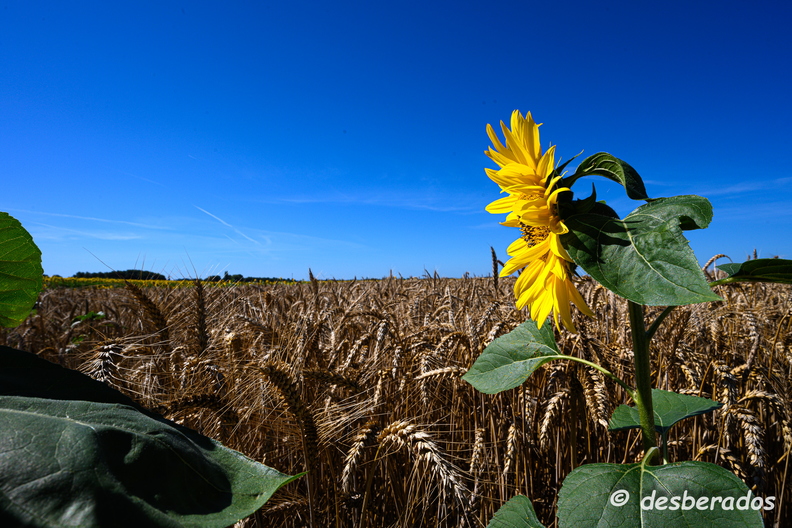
150	275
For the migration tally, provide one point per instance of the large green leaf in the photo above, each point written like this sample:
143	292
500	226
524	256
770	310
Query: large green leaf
518	512
758	270
611	167
510	359
680	494
644	257
92	458
669	408
20	271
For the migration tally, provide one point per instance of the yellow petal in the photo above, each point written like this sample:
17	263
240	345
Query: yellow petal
558	226
562	307
527	188
543	308
516	149
576	298
501	158
552	199
527	132
512	220
533	216
524	173
557	248
557	267
520	248
503	180
545	165
512	265
494	138
516	246
503	205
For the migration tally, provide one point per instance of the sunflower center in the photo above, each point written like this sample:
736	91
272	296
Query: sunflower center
534	234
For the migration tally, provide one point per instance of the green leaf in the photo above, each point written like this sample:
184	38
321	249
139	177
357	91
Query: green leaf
758	270
510	359
518	512
21	273
687	493
560	169
88	459
645	257
669	408
611	167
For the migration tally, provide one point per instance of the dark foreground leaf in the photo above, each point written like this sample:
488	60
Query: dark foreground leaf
510	359
89	459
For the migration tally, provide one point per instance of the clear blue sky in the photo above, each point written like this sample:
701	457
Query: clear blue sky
264	138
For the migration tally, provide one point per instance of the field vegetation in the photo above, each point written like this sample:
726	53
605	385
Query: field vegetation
357	382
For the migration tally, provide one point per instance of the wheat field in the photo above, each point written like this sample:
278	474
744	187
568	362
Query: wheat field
357	382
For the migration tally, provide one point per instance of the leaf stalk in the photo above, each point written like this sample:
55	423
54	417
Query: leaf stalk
630	391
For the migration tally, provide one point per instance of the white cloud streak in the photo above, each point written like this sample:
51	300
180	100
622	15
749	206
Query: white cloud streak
88	234
237	231
419	200
88	218
749	186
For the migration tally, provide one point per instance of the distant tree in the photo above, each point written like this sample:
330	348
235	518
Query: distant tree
233	278
128	275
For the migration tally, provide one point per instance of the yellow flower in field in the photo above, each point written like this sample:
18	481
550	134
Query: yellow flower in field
545	285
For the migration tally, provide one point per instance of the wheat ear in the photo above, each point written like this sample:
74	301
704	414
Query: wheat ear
402	434
151	310
278	374
365	437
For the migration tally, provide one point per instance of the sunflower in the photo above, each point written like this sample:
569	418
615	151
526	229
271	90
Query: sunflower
545	284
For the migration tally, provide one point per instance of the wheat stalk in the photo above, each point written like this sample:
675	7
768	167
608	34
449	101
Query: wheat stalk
201	333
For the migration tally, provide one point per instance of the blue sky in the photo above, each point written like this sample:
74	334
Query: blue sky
266	138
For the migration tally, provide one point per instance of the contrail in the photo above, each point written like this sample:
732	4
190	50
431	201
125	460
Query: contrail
216	218
237	231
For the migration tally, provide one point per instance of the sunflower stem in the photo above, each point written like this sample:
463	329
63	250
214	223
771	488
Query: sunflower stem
643	382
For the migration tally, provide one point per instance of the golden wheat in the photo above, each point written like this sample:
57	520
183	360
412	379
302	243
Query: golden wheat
359	382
